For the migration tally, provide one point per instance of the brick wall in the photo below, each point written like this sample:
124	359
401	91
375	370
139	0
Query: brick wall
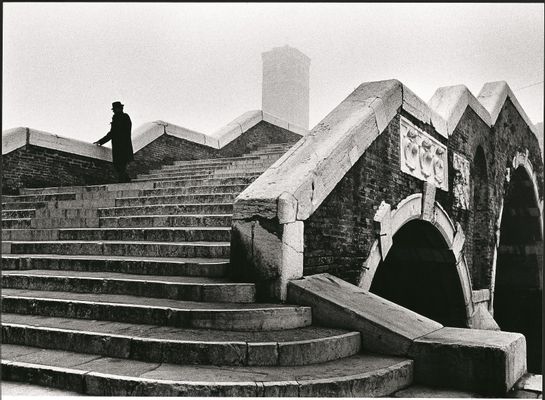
470	134
339	235
167	149
33	166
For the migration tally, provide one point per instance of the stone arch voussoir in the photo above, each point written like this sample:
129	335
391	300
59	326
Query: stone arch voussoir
417	206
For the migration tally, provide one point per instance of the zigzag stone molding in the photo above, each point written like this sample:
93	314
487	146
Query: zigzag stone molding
15	138
450	102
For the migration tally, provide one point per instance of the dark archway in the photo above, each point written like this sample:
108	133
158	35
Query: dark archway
519	269
480	226
419	273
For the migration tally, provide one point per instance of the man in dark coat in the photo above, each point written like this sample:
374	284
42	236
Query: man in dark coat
120	135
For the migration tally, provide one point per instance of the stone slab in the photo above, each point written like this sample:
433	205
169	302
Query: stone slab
530	382
69	145
13	138
427	392
385	326
360	375
488	362
29	390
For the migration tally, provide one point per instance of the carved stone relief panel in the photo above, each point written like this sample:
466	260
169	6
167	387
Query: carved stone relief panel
461	181
423	156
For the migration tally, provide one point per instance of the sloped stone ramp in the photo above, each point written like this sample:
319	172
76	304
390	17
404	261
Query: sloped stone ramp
469	360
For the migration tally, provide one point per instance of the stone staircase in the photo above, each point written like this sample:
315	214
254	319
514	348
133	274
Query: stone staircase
124	289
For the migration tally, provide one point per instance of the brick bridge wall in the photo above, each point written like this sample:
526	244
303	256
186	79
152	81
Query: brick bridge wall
339	235
339	196
34	166
167	149
38	166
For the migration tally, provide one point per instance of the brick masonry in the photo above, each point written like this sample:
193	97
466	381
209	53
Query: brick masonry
167	149
33	166
339	235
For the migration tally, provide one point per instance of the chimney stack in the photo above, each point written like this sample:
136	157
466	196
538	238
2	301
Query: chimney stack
285	92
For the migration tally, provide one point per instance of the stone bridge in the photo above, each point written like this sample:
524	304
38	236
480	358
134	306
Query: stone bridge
437	207
411	230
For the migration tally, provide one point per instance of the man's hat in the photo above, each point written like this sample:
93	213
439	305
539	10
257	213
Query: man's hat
116	104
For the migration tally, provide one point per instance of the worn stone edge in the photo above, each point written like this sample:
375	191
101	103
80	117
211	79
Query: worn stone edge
450	102
15	138
85	376
493	96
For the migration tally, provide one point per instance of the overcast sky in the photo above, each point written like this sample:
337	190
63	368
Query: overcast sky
199	65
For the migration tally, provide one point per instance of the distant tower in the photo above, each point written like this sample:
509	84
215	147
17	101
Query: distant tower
286	85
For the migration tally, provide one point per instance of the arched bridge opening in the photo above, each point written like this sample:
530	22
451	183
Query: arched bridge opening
519	269
420	273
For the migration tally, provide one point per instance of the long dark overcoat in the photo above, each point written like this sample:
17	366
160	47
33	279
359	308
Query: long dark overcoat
120	135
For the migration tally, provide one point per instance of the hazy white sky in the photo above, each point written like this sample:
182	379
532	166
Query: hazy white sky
199	65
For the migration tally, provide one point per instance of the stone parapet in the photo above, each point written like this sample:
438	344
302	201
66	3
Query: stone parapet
145	134
12	139
475	360
293	188
35	158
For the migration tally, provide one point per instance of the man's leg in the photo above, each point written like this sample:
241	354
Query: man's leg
121	169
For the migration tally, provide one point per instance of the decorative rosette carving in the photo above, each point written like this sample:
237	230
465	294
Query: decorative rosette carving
422	156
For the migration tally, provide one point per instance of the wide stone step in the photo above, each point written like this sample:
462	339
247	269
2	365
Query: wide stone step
204	189
23	213
242	174
65	222
301	346
214	167
73	212
88	189
186	173
23	205
201	175
79	204
119	248
16	223
44	197
209	267
159	234
168	287
179	199
214	161
155	311
223	220
361	375
246	180
171	209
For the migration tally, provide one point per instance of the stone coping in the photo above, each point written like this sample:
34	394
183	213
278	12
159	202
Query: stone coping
12	139
295	186
493	96
450	102
145	134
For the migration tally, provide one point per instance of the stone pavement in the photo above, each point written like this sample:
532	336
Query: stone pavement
12	389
